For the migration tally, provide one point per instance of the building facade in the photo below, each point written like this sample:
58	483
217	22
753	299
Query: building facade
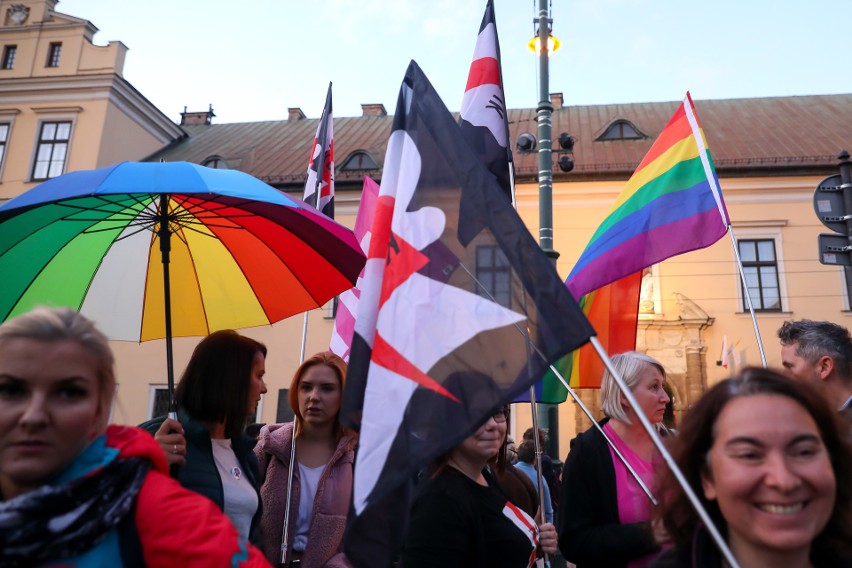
65	106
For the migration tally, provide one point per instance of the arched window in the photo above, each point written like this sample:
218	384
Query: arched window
359	160
621	130
216	163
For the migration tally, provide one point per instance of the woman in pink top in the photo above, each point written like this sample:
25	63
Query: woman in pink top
604	516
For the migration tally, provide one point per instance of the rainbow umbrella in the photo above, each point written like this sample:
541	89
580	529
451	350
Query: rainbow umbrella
156	250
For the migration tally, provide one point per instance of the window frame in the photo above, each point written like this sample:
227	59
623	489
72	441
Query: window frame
40	141
54	54
358	156
10	52
763	234
496	268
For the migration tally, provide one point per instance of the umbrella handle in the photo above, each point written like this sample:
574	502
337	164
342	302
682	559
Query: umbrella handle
174	469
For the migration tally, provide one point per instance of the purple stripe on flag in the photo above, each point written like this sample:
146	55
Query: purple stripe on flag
649	248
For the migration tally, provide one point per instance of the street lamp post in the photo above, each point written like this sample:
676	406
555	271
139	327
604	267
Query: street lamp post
548	417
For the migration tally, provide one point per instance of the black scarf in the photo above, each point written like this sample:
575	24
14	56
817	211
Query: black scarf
56	522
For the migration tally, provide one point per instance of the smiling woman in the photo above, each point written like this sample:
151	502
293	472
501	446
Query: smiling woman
771	463
58	459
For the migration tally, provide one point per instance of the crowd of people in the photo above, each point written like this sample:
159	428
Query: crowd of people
768	456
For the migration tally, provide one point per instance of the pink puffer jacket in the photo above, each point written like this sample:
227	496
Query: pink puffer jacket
331	504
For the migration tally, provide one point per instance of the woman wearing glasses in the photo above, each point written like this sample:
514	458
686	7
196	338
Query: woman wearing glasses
460	517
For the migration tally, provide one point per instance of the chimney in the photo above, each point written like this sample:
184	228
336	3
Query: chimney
556	101
373	110
295	113
191	118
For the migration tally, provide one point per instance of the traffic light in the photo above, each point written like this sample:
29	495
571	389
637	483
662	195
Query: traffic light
833	207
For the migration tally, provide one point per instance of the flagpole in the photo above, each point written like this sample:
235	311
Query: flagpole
658	443
574	395
747	295
609	442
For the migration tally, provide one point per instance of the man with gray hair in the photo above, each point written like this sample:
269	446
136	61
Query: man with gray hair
820	350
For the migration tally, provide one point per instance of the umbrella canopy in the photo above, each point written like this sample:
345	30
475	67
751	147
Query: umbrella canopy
238	252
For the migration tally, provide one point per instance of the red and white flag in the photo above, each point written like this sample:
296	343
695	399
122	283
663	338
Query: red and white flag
344	321
483	118
319	187
443	336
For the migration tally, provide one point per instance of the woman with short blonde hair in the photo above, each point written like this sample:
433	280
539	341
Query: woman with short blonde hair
604	514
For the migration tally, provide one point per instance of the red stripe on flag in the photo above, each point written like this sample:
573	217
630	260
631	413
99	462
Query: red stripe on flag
485	71
389	358
614	313
676	130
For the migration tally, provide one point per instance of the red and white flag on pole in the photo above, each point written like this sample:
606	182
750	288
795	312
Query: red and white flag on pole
344	321
319	187
483	118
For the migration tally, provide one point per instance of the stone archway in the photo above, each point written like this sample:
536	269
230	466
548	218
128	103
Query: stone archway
679	345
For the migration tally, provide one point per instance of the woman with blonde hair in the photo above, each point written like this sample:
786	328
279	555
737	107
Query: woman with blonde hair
603	512
321	475
74	491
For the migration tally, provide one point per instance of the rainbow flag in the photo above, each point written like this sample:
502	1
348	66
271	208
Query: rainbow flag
671	205
613	311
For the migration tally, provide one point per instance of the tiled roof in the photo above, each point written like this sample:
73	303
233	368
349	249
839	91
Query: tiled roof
760	136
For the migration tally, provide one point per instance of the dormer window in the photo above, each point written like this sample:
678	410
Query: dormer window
621	130
216	163
359	160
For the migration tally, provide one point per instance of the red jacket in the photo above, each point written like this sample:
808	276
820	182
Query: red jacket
177	527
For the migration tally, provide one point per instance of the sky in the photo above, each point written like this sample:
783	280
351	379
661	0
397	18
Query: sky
254	59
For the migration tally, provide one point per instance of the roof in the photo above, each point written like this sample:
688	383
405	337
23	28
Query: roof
747	137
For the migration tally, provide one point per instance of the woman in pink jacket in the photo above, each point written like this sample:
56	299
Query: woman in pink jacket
322	473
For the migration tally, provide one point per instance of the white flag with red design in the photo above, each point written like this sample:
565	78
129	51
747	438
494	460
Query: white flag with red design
484	118
443	336
319	187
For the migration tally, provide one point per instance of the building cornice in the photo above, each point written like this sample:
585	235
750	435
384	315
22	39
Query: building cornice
65	90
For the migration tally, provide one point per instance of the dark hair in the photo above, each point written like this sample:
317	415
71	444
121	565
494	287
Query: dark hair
526	451
215	385
669	413
691	447
333	362
815	339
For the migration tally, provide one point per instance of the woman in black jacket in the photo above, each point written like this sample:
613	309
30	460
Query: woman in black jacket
604	516
207	445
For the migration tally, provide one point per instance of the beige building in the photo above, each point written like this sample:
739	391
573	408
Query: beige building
64	106
770	154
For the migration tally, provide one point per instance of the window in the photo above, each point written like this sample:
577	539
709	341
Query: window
158	401
4	136
621	130
216	164
9	53
359	161
285	413
52	150
493	274
53	54
760	266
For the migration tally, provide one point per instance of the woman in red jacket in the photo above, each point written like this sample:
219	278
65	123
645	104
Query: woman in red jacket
108	485
322	472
